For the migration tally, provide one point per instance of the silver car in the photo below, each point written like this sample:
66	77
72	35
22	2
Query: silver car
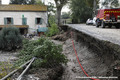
89	21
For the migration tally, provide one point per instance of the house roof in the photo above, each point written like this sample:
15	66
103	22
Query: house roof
23	8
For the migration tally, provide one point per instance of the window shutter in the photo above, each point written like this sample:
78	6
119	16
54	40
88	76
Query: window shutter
5	21
40	20
35	20
11	20
24	21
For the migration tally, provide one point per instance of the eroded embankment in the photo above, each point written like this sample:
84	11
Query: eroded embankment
108	52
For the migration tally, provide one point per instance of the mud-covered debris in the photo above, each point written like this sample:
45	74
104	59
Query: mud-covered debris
61	37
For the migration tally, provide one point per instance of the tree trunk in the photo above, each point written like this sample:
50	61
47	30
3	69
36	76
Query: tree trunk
59	16
94	8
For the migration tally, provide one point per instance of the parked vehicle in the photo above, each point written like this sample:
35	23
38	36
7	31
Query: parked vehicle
89	21
108	17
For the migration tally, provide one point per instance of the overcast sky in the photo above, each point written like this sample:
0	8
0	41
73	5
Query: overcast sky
65	9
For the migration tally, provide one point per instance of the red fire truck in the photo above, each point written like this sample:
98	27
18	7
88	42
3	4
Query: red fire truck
108	17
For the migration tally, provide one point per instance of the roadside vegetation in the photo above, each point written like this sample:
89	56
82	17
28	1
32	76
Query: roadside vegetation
5	68
53	28
81	10
10	38
48	54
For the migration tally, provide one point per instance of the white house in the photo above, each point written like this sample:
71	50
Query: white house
26	17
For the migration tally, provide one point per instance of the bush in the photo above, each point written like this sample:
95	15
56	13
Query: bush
10	38
53	28
47	53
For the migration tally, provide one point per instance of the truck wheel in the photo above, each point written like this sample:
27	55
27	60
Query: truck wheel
117	26
110	25
102	24
97	23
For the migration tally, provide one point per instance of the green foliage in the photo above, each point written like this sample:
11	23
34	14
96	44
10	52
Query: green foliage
51	8
111	3
90	3
10	38
65	15
51	20
80	10
22	1
5	68
53	29
39	2
47	53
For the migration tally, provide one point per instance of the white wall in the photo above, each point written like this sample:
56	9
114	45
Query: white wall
17	18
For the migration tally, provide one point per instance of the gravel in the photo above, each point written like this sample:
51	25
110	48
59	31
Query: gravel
7	56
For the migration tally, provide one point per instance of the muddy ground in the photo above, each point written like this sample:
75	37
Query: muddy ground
92	63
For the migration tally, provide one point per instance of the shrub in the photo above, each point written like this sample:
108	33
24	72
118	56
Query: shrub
53	28
10	38
47	53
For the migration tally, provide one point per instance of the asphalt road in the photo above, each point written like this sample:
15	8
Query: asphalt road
108	34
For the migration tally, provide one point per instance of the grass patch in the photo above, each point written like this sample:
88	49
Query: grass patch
5	68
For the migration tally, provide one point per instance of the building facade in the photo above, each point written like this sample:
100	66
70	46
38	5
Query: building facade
28	18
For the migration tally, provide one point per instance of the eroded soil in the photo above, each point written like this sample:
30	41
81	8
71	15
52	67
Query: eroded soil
91	62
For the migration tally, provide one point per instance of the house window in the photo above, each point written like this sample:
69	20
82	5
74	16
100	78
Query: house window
24	21
8	20
38	20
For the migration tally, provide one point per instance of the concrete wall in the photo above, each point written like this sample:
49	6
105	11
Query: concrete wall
17	19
